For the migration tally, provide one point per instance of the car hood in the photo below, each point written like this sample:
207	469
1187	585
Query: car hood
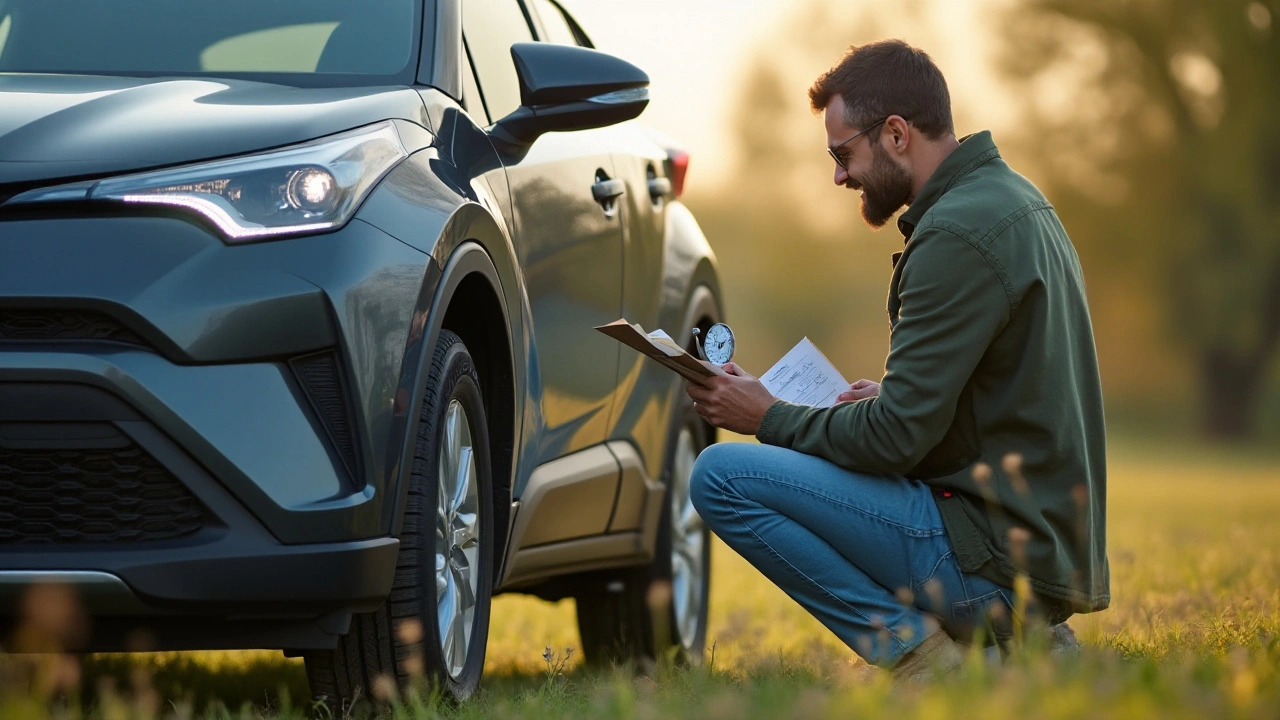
64	126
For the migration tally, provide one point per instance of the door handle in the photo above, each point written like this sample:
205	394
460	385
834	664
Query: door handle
606	190
659	188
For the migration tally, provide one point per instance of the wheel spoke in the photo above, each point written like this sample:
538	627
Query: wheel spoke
459	650
465	482
465	530
446	608
453	423
448	457
442	582
462	580
462	619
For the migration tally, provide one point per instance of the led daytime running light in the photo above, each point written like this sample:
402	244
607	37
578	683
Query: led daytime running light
308	188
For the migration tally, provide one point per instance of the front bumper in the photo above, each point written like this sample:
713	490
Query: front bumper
266	528
224	339
103	503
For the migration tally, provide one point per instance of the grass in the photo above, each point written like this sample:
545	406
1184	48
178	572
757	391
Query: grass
1193	631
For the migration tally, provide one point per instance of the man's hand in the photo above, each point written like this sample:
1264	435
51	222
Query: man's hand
859	390
736	403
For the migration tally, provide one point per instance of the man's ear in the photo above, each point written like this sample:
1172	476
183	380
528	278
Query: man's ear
896	134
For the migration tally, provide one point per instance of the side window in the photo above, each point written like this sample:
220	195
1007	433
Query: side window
472	100
553	22
491	27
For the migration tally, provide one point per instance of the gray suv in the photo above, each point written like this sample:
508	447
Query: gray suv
296	332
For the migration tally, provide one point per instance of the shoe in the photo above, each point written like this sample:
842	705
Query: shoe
938	655
1063	642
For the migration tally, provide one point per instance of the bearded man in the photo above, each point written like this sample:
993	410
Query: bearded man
969	484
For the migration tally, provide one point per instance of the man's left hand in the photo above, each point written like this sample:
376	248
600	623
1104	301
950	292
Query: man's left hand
736	402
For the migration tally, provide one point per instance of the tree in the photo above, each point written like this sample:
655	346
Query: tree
1161	116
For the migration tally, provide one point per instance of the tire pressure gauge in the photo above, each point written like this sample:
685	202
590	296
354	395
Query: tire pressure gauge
718	345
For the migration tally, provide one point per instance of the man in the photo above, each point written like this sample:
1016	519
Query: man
905	516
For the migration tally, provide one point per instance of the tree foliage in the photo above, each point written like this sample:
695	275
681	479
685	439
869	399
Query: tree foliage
1160	116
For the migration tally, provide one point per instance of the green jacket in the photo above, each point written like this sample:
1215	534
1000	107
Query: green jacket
991	392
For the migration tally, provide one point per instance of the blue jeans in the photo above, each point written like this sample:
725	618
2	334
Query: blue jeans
866	554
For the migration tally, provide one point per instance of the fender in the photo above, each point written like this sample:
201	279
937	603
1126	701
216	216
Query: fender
468	259
429	204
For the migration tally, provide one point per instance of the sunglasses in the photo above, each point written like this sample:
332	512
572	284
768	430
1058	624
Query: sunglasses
843	162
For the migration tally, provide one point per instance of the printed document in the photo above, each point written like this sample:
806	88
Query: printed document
805	376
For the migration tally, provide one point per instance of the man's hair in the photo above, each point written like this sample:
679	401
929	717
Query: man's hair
886	78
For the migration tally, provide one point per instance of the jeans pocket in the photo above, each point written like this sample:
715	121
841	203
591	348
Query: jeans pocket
991	613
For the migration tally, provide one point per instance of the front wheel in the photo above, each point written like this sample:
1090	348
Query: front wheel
435	624
661	609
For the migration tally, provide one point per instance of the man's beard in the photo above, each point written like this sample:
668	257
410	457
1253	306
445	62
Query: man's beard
887	187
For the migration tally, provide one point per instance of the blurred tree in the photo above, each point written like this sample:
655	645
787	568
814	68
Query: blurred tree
1156	123
796	259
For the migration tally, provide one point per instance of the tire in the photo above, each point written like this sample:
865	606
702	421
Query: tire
652	612
401	641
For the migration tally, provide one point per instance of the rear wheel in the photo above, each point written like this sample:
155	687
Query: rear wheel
660	609
435	624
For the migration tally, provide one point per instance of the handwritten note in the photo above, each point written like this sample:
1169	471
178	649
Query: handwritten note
805	376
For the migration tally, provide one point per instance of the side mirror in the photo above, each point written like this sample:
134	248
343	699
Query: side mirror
569	88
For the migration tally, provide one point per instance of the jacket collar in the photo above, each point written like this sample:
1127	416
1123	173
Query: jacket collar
974	151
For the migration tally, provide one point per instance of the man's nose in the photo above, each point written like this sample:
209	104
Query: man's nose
842	176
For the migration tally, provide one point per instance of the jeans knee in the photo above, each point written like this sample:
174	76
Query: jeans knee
706	477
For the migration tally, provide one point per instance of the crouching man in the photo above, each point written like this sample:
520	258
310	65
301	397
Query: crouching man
971	480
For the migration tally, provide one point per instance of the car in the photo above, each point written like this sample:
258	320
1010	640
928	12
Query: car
296	334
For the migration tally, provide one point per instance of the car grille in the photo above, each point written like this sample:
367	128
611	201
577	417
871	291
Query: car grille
39	324
95	495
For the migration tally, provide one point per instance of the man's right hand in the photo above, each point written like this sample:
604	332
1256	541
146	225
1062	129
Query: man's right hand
859	390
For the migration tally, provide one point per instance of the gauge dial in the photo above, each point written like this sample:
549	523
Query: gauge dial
717	346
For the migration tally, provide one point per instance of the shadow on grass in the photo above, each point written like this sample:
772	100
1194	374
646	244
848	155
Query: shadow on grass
267	683
199	680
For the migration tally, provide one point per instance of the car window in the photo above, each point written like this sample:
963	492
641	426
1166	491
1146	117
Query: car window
553	23
5	21
491	27
292	48
191	37
472	99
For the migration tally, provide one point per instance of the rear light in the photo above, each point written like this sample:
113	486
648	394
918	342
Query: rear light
679	164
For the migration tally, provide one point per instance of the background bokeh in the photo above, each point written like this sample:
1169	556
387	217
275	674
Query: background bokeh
1150	124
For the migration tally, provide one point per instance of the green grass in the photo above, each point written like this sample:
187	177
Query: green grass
1193	631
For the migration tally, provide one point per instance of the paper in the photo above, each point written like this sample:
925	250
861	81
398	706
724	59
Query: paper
805	376
670	346
659	346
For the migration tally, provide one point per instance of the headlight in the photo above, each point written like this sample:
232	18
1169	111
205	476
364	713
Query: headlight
306	188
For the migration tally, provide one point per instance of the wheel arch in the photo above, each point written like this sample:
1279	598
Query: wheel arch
479	298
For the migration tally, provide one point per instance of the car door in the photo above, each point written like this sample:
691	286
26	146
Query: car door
564	201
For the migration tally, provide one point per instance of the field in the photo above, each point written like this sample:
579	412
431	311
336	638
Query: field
1193	631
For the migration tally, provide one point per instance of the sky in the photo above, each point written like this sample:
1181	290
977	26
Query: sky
692	50
696	50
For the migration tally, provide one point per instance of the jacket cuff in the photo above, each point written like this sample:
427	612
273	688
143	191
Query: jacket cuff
774	423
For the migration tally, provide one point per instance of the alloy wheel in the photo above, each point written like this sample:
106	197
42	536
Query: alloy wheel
457	539
688	539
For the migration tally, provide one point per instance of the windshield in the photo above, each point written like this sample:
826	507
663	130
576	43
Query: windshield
205	37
